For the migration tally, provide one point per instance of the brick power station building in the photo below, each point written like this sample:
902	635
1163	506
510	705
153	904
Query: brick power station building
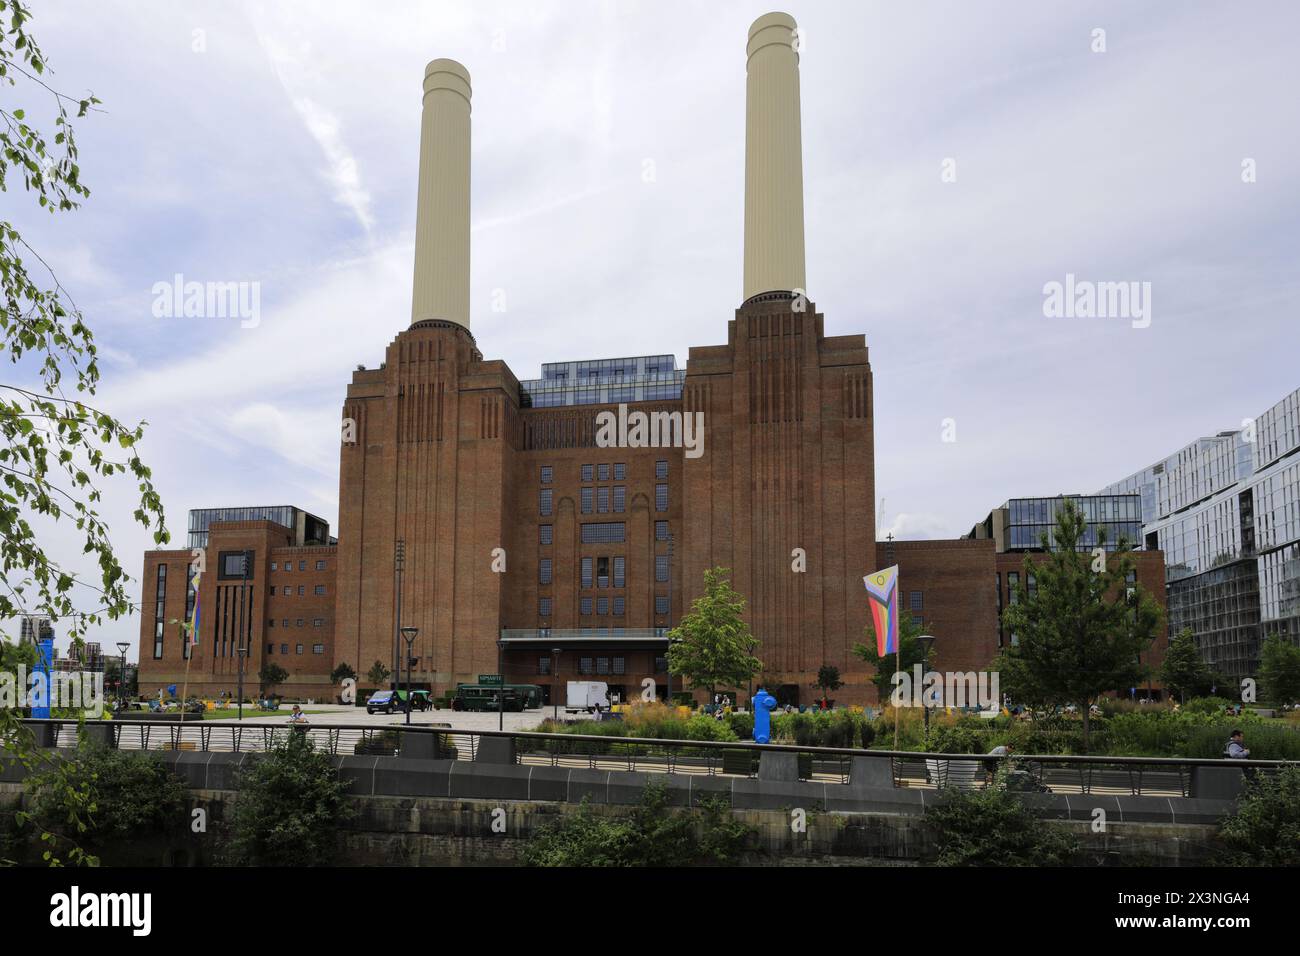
522	533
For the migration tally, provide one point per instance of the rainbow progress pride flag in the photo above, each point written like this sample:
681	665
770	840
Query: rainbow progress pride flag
882	597
194	621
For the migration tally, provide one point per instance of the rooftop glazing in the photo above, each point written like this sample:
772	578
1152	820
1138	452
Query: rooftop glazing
643	378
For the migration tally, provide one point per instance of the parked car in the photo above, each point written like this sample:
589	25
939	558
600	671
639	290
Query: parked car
384	701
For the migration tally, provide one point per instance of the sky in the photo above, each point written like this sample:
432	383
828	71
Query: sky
958	157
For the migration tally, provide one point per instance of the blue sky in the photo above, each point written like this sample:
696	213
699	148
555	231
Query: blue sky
278	145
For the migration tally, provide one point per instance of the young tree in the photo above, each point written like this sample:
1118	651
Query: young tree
712	646
1279	670
378	673
909	654
1081	632
828	679
1184	672
271	675
343	672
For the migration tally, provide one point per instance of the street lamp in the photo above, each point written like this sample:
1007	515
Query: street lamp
243	652
555	682
409	633
122	647
926	642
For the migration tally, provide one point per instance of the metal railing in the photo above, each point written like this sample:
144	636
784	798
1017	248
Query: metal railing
1065	774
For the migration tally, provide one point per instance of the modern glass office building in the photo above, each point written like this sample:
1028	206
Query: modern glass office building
644	378
1226	512
1019	525
309	529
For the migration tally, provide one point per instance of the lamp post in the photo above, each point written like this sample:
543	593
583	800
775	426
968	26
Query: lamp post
408	633
243	652
555	682
399	566
122	647
926	642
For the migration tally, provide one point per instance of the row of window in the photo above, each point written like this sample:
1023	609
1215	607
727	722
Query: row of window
598	532
599	500
302	566
602	606
286	590
284	622
298	649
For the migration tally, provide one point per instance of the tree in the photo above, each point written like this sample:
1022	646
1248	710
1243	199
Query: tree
990	827
271	675
908	656
1081	632
343	672
290	809
1264	830
378	673
712	646
53	448
828	679
1279	670
1183	672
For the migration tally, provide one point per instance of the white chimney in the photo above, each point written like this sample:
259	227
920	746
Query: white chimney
774	254
442	216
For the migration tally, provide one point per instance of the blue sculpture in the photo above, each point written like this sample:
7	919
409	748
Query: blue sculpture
764	704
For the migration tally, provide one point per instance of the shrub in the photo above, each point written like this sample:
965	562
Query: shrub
955	740
990	827
290	808
1265	829
652	834
101	799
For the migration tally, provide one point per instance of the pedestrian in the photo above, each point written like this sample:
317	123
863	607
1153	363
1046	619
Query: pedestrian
999	753
1233	749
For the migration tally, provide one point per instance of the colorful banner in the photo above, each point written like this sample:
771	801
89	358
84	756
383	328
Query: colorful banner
882	598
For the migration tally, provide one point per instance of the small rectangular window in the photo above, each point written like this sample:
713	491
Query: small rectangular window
544	571
661	497
318	648
584	606
544	502
619	606
620	499
620	665
661	530
602	572
661	567
586	572
915	601
318	589
587	498
586	472
547	474
661	604
302	565
602	605
320	565
318	622
602	500
620	471
297	648
545	532
620	564
273	566
544	607
661	469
